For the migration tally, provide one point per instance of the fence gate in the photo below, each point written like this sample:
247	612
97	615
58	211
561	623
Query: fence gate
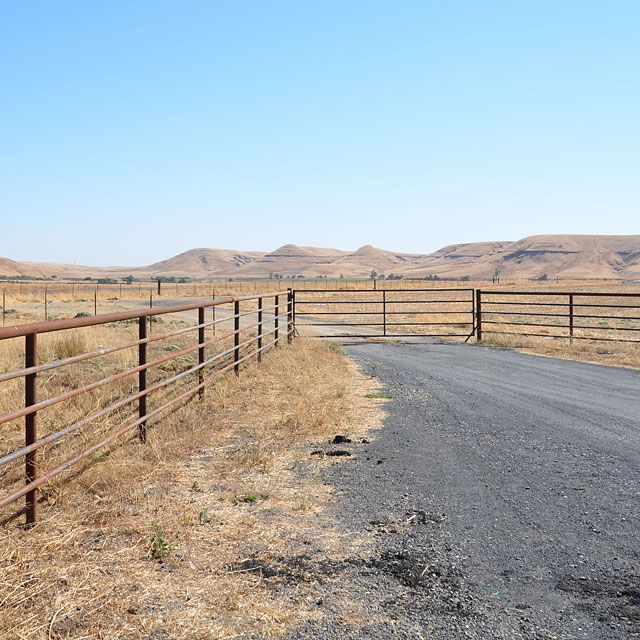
376	313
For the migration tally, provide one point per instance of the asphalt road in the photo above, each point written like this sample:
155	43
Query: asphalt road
503	494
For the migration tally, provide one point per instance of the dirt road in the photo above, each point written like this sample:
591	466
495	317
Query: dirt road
503	497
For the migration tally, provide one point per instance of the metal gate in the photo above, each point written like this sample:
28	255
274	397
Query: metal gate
377	313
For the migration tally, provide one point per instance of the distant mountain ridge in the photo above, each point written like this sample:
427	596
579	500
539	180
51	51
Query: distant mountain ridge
564	256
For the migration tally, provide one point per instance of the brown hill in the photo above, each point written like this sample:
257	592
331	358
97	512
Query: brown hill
564	256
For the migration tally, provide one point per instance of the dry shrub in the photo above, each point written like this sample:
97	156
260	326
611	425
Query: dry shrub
69	344
168	539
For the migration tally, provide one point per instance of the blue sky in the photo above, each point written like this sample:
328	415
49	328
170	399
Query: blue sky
132	131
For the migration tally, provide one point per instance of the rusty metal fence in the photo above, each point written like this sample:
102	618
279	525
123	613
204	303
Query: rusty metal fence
611	317
259	322
394	313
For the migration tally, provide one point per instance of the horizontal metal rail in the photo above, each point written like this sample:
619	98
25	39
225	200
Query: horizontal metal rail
560	304
388	324
573	324
353	302
399	335
548	335
562	326
584	294
383	308
374	291
560	315
54	364
31	408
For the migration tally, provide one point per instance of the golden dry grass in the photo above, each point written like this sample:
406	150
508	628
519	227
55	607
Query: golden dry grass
18	293
177	353
615	354
222	488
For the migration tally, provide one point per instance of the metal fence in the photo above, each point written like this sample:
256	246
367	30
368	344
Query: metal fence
612	317
264	324
368	313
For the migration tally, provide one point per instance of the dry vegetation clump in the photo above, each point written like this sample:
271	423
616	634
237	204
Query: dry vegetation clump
616	354
196	534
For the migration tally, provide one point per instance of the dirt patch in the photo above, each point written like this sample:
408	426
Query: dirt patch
611	599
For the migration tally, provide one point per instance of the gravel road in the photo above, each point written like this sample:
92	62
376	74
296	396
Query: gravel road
502	495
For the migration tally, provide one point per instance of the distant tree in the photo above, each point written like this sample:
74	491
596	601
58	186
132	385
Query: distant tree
341	276
374	274
128	279
542	278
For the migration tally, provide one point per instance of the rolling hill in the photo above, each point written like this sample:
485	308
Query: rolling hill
563	256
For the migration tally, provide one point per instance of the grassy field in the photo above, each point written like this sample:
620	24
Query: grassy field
25	304
33	292
111	349
170	538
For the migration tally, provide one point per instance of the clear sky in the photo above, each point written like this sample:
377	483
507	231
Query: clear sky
133	130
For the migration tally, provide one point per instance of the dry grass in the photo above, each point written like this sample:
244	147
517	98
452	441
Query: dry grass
407	312
600	339
615	354
20	293
89	405
223	490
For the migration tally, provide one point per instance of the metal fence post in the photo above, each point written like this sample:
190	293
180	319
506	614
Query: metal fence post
4	306
259	329
276	322
201	350
95	302
384	312
478	315
473	313
236	336
213	312
46	303
142	377
290	316
571	315
294	308
31	426
150	307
